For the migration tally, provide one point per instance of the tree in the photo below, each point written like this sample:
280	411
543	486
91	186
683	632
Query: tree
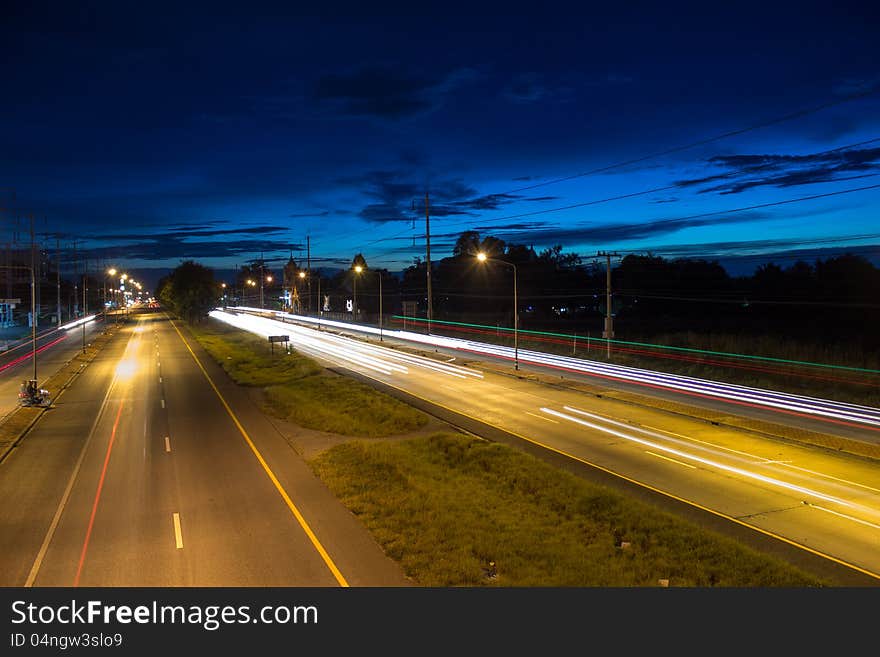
468	244
359	260
190	290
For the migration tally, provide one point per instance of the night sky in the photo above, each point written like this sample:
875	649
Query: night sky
156	133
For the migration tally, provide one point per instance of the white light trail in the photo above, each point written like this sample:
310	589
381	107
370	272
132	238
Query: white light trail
810	406
698	459
82	320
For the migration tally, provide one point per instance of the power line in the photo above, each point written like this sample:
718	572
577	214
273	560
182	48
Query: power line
745	169
702	142
729	174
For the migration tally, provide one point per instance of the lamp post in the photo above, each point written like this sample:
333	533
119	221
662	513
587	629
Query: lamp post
122	280
263	279
482	257
109	272
358	269
354	303
302	276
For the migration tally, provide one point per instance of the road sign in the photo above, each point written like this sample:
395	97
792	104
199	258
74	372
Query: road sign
279	338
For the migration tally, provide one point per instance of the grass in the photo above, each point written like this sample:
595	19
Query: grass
299	390
447	506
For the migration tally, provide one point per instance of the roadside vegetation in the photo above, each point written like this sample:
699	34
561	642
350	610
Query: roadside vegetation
459	511
299	390
455	510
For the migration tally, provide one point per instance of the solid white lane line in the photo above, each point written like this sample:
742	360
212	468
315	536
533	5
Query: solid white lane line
178	535
167	444
163	403
843	515
691	457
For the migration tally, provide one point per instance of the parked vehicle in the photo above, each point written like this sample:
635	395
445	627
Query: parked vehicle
30	395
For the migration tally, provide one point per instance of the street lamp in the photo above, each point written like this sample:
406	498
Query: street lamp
482	257
359	269
109	272
302	276
267	279
354	304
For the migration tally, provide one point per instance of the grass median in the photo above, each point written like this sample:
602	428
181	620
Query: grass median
455	510
299	390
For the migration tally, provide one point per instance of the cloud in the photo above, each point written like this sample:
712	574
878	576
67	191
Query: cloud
305	215
395	197
532	88
611	233
176	234
387	93
781	171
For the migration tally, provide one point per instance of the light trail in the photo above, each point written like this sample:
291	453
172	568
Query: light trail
821	409
698	459
386	360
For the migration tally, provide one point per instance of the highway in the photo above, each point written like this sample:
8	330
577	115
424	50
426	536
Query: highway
822	415
824	502
153	469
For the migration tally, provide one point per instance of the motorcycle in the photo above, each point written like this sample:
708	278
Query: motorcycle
33	396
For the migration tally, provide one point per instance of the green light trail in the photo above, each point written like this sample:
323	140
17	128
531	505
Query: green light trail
604	341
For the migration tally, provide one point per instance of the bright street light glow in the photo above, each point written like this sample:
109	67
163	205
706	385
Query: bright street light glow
481	256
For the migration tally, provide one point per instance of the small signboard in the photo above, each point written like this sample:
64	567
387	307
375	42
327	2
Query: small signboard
277	338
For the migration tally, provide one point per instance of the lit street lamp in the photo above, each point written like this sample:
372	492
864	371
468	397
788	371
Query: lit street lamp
109	272
358	269
482	257
354	302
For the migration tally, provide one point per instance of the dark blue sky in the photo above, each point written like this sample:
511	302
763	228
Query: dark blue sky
156	133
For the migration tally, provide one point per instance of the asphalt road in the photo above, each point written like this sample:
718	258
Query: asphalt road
154	470
826	503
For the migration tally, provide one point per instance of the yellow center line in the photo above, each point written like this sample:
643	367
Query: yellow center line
666	458
178	534
290	505
541	417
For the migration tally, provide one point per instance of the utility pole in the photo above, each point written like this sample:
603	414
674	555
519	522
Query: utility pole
85	303
58	275
608	334
430	312
309	268
33	269
428	261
